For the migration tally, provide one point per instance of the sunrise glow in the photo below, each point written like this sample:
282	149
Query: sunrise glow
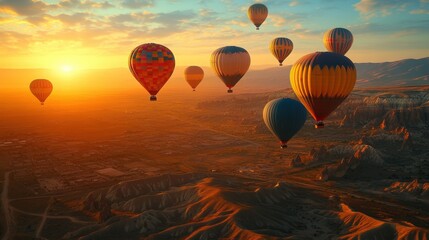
67	68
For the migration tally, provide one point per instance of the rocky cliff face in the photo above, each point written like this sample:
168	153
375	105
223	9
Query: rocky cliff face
413	188
387	111
359	156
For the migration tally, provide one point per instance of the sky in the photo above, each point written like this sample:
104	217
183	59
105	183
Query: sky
90	34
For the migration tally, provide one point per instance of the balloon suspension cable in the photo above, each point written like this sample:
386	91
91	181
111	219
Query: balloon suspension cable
153	97
229	90
319	124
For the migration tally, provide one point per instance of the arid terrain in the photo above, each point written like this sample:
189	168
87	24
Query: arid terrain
201	166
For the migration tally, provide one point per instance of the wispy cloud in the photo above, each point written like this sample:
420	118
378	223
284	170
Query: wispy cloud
371	8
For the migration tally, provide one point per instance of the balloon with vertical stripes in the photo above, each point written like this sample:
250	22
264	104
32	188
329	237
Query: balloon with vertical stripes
281	48
230	64
284	117
257	13
41	89
321	81
338	40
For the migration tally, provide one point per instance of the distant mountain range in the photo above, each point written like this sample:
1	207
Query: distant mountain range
407	72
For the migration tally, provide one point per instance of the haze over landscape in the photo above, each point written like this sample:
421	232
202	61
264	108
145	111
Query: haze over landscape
101	161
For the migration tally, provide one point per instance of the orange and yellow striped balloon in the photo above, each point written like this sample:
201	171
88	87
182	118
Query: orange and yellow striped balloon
322	81
281	48
41	89
194	75
257	13
230	64
152	65
338	40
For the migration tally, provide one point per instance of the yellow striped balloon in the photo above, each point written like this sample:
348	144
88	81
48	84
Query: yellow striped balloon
194	75
322	81
281	48
257	13
41	89
338	40
230	64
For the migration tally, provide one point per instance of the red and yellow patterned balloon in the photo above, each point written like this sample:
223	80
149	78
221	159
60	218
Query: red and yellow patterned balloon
41	89
152	65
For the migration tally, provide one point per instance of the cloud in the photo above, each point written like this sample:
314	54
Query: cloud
137	3
13	42
371	8
277	20
83	4
420	11
24	7
238	23
293	3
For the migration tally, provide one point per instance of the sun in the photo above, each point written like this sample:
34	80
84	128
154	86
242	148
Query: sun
66	68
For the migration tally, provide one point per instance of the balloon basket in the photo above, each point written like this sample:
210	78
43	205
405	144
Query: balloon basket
153	98
257	28
280	64
193	90
319	125
229	91
283	146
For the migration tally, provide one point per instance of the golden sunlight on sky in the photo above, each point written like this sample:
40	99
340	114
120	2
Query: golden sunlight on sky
79	34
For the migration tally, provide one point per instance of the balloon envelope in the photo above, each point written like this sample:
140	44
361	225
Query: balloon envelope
257	13
230	64
281	48
152	65
322	81
194	75
284	117
338	40
41	89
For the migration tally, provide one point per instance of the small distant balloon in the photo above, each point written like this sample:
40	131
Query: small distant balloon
230	64
284	117
257	13
152	65
338	40
281	48
41	89
194	75
321	81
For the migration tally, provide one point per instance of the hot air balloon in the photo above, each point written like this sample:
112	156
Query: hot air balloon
41	89
194	75
281	48
321	81
257	13
152	65
230	63
338	40
284	117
